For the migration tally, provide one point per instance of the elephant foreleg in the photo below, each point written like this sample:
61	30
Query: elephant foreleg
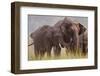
57	50
36	52
49	51
42	53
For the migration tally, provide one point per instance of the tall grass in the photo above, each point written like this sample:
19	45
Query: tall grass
65	54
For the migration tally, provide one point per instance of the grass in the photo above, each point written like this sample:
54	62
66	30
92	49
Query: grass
65	54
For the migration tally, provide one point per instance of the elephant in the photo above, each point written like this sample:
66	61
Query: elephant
65	33
71	31
42	41
45	38
84	42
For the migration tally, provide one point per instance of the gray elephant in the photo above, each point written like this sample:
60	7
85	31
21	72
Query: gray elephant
71	31
84	42
42	39
65	32
45	38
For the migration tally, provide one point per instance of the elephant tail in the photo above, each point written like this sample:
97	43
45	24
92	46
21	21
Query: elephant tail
31	44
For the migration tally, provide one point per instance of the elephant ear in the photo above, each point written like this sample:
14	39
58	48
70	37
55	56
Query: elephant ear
82	29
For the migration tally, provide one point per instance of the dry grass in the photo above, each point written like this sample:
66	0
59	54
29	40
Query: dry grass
65	54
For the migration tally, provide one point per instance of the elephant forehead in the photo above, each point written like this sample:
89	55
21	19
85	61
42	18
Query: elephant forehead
56	30
75	24
75	27
57	34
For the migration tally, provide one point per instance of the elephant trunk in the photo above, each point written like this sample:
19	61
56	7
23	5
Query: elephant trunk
31	44
75	41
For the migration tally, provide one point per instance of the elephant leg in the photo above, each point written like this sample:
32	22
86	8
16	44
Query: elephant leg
39	52
57	50
73	49
42	53
84	46
49	51
84	49
75	43
36	52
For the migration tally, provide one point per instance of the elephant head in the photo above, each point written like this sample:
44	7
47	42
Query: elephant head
71	31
